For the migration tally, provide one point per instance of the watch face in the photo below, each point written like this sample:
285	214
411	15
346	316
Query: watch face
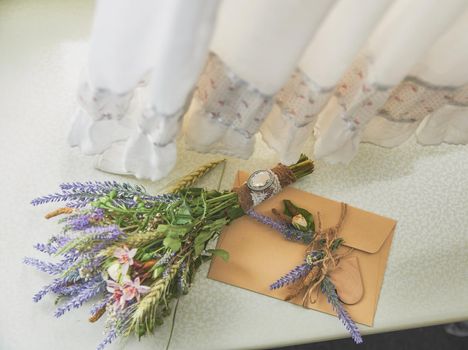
260	180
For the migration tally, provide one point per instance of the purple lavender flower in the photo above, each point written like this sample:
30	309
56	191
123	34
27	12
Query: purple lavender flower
99	305
56	285
85	292
165	258
60	240
72	289
328	288
45	290
292	276
110	336
47	248
288	231
80	222
79	194
109	233
97	214
48	267
120	320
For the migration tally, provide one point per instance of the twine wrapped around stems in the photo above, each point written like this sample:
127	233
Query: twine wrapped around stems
324	241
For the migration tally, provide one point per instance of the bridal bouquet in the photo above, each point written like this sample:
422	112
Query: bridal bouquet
133	253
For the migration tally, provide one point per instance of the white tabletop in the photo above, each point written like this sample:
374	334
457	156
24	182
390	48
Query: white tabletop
42	48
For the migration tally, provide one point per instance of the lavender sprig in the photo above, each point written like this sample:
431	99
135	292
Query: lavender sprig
108	233
110	336
84	293
84	219
72	289
48	267
47	248
328	288
288	231
80	222
117	323
99	305
292	276
165	259
55	286
79	194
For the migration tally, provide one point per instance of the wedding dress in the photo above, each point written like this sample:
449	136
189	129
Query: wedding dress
343	72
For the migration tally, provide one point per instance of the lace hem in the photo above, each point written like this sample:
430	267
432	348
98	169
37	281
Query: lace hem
230	112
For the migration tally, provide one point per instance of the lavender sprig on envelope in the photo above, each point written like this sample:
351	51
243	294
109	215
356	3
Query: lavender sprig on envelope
292	276
295	224
286	229
320	259
328	288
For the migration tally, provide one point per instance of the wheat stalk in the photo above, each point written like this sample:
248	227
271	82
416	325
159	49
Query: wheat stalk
145	313
194	176
139	239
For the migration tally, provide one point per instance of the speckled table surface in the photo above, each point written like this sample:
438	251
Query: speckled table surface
42	47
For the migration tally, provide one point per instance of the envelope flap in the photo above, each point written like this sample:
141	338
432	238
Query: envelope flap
361	229
366	231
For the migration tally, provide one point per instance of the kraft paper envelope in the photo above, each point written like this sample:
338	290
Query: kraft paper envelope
259	255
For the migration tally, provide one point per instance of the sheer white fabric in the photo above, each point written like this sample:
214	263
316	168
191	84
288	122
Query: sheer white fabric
162	43
345	71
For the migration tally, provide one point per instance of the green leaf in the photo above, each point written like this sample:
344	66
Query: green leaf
172	243
219	252
201	239
235	212
216	225
162	228
183	215
289	208
174	230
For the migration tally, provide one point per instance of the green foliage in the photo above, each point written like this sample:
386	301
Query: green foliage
183	214
235	212
207	233
219	252
174	235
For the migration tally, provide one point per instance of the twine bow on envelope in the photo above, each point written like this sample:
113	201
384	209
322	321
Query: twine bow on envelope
325	261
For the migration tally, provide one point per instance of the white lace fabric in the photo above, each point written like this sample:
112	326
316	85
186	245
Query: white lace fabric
379	72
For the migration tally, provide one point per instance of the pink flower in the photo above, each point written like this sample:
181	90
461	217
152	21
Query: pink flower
126	292
117	293
125	258
133	289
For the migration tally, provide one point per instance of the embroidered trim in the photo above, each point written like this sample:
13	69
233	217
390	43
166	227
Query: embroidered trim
413	99
231	101
302	99
408	102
